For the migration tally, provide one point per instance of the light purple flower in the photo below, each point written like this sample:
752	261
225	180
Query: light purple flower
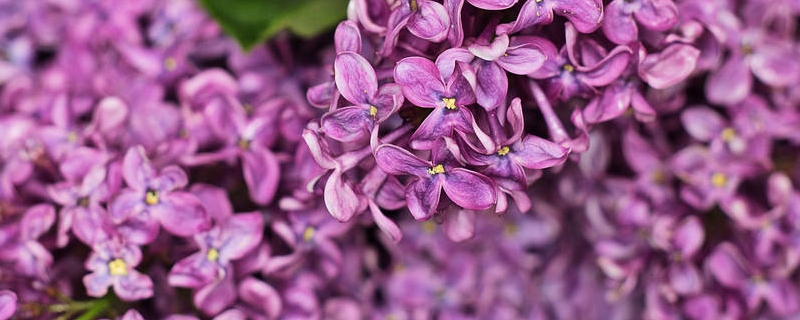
112	263
230	240
422	84
466	188
358	83
8	304
155	196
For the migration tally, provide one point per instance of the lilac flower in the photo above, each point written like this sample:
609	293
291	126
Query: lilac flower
231	239
580	66
422	84
466	188
81	210
752	53
733	271
154	195
585	14
357	83
28	256
112	263
621	16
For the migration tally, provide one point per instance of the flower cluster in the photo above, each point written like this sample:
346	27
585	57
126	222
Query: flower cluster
429	159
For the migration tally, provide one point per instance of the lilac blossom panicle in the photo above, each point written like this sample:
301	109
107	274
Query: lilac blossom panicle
426	159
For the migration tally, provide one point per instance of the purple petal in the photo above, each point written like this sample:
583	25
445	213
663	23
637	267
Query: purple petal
422	197
193	272
347	37
127	203
536	153
781	295
492	85
447	60
262	174
685	278
386	225
133	286
493	4
731	83
169	178
97	284
182	214
110	114
493	51
244	232
459	225
658	15
469	189
670	66
396	161
702	123
430	21
584	14
36	221
688	237
132	314
608	69
8	304
725	264
216	296
533	12
618	23
340	199
441	123
524	56
136	168
420	80
355	77
260	294
92	225
456	33
388	99
347	124
612	103
215	200
776	67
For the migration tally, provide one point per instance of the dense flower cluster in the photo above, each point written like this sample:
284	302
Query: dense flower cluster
478	159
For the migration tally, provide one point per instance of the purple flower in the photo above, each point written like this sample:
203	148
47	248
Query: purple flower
464	187
28	256
231	239
155	196
112	263
732	270
423	85
357	83
580	66
621	16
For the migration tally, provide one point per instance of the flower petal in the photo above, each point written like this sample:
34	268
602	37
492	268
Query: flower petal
347	124
262	174
355	77
420	81
396	161
430	21
470	190
182	214
422	197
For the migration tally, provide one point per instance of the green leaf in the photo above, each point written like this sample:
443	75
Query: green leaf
253	21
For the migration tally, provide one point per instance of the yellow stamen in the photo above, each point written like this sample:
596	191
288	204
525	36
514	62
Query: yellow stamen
83	202
719	179
659	177
151	197
429	227
212	255
72	137
117	267
436	169
170	64
308	233
510	229
503	151
728	134
450	103
413	4
243	144
373	111
569	68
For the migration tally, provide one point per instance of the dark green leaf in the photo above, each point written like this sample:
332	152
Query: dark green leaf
253	21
